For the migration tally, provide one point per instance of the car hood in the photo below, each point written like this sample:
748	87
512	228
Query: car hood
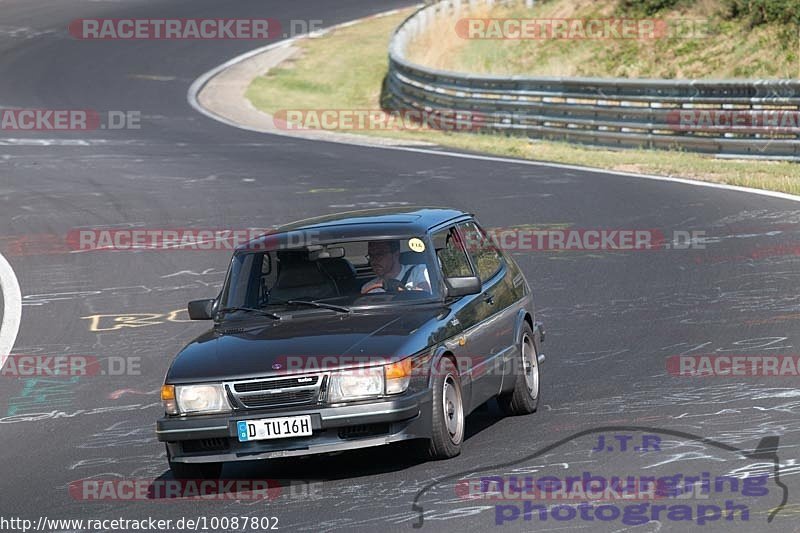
258	347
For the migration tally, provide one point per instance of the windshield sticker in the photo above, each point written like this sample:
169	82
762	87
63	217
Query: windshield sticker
416	245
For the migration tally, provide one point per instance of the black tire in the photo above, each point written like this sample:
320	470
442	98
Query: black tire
524	398
447	420
194	470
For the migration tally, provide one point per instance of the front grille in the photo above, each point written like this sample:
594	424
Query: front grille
278	398
255	386
276	392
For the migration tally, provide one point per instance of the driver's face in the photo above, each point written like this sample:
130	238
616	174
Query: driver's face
382	259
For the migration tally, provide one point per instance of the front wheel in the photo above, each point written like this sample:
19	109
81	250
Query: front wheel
448	412
524	398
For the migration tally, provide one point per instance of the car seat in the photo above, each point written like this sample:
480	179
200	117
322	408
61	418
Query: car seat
301	279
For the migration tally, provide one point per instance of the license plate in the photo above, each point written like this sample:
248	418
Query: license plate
274	428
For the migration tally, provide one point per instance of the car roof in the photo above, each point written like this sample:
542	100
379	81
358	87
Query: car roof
366	223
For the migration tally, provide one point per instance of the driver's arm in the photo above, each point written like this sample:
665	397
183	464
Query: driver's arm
421	281
372	285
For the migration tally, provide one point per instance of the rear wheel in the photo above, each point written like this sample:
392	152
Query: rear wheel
448	412
524	399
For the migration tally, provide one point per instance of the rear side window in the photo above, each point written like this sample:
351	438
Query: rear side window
452	255
484	255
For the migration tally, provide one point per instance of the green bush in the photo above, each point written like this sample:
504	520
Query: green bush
755	12
758	12
646	7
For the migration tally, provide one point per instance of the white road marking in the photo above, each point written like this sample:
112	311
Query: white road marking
686	181
13	141
12	309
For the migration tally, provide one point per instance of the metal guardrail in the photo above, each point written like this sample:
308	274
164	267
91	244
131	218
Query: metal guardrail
618	112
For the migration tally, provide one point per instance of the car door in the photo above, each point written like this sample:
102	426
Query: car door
495	306
471	344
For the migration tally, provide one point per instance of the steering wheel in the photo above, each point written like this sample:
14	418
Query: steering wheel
393	285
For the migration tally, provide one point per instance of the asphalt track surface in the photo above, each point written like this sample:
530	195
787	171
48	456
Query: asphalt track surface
613	318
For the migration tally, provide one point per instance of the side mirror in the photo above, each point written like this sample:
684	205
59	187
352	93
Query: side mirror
201	309
462	286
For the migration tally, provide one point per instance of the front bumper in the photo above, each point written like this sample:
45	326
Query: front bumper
213	438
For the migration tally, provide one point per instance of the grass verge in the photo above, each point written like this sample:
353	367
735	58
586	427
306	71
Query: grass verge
710	47
344	70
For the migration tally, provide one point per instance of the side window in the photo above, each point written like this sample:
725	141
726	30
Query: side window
484	255
451	254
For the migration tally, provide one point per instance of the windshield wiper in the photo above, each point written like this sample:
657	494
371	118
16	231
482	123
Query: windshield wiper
262	312
320	305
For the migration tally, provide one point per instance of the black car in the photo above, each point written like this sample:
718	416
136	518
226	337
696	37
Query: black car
348	331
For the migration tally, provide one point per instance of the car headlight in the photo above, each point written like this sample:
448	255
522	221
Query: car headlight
356	384
370	382
194	399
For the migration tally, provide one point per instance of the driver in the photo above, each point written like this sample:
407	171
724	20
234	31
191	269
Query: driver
384	258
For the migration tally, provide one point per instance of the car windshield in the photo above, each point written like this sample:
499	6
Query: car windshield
339	276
